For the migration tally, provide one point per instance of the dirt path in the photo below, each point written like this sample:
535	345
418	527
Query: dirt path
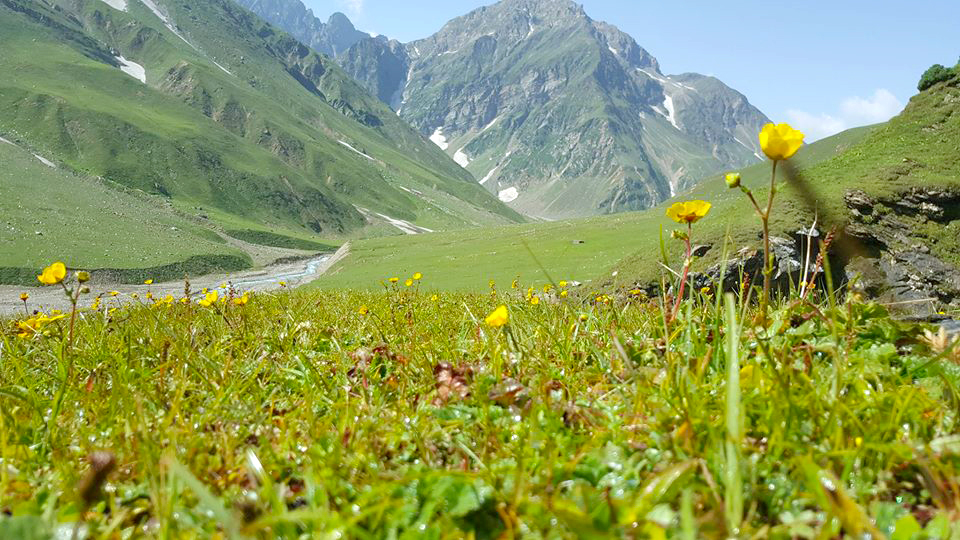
293	274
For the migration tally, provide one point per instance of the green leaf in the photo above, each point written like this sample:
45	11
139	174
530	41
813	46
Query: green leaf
906	528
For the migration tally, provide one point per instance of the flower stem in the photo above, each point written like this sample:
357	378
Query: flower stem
686	272
767	257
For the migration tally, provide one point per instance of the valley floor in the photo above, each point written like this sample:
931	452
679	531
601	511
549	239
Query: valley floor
273	277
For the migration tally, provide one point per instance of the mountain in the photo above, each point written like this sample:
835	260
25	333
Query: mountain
558	114
331	38
225	118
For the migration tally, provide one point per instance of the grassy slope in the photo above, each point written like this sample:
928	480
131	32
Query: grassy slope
255	150
89	223
466	260
920	147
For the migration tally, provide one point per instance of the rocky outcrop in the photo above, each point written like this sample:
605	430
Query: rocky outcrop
901	264
331	38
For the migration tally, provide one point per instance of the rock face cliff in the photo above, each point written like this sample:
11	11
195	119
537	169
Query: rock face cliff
331	38
558	114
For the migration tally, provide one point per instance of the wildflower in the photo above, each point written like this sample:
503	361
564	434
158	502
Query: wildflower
149	296
210	299
417	276
562	284
498	317
584	317
134	296
780	141
492	284
636	292
283	284
114	293
688	212
515	284
563	294
733	180
53	274
363	310
223	285
242	301
83	276
148	282
705	290
204	290
24	297
394	279
547	288
435	297
408	283
858	442
535	300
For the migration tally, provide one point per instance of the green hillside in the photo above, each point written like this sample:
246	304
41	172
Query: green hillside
236	122
569	250
52	214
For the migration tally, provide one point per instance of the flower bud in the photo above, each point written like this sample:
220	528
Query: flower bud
84	290
733	180
83	276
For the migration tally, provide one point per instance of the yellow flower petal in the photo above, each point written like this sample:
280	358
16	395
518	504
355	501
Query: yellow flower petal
780	141
689	211
498	317
53	274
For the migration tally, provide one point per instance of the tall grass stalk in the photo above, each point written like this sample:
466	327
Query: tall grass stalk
733	486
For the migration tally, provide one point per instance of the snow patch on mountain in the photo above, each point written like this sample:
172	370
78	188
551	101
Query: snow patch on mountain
508	195
133	69
165	20
356	151
671	112
489	175
405	226
119	5
45	161
438	139
461	158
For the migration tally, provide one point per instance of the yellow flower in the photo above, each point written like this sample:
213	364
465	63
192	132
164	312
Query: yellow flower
858	441
492	284
223	285
435	297
498	318
148	282
53	274
547	288
394	279
417	276
562	284
114	293
24	297
689	211
363	310
83	276
210	299
283	284
149	296
535	300
780	141
515	284
733	180
184	300
242	301
408	283
563	294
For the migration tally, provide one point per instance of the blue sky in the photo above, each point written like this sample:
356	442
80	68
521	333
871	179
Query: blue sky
823	66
